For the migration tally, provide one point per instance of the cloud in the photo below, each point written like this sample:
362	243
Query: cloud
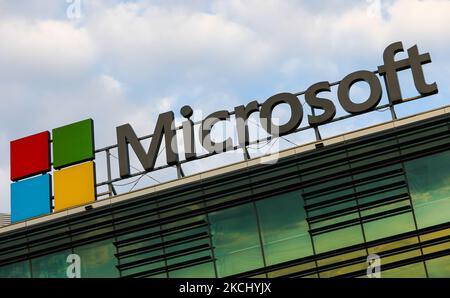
43	50
165	47
43	9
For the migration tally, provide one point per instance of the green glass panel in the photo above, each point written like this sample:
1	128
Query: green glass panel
439	267
371	147
371	173
393	194
317	160
16	270
326	223
97	259
331	196
423	133
161	275
329	187
188	258
408	271
379	208
429	182
425	145
142	256
368	160
221	190
311	276
338	239
198	271
156	267
377	183
133	235
284	229
154	242
336	206
73	143
389	226
235	239
328	171
53	265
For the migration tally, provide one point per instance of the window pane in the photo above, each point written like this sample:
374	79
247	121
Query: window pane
439	267
97	259
236	241
408	271
16	270
389	226
199	271
187	245
52	265
429	180
284	229
338	239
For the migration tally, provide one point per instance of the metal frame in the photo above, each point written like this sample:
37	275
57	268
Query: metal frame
246	155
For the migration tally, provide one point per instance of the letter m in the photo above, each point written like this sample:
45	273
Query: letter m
126	135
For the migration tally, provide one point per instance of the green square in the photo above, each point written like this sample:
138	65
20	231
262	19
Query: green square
73	143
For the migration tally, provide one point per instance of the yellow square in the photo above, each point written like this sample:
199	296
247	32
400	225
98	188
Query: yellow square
74	186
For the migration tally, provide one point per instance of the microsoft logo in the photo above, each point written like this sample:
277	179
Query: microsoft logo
73	170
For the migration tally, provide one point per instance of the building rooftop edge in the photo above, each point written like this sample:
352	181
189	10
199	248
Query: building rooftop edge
233	167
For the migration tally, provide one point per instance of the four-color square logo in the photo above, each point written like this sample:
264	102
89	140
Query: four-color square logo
73	176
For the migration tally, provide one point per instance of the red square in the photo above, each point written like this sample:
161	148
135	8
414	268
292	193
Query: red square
30	156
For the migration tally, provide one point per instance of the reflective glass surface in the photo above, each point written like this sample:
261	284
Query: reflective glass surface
338	239
198	271
236	241
439	267
429	183
338	213
16	270
284	229
53	265
409	271
389	226
97	259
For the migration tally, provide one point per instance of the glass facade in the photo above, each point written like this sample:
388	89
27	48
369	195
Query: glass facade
52	266
429	182
235	239
16	270
97	259
284	229
316	215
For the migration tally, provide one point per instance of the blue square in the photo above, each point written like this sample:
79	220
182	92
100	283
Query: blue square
30	198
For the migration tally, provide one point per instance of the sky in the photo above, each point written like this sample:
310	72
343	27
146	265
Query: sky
123	62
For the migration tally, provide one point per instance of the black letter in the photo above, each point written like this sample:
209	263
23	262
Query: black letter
414	61
344	89
320	103
242	113
205	131
126	135
389	71
188	133
416	67
265	114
